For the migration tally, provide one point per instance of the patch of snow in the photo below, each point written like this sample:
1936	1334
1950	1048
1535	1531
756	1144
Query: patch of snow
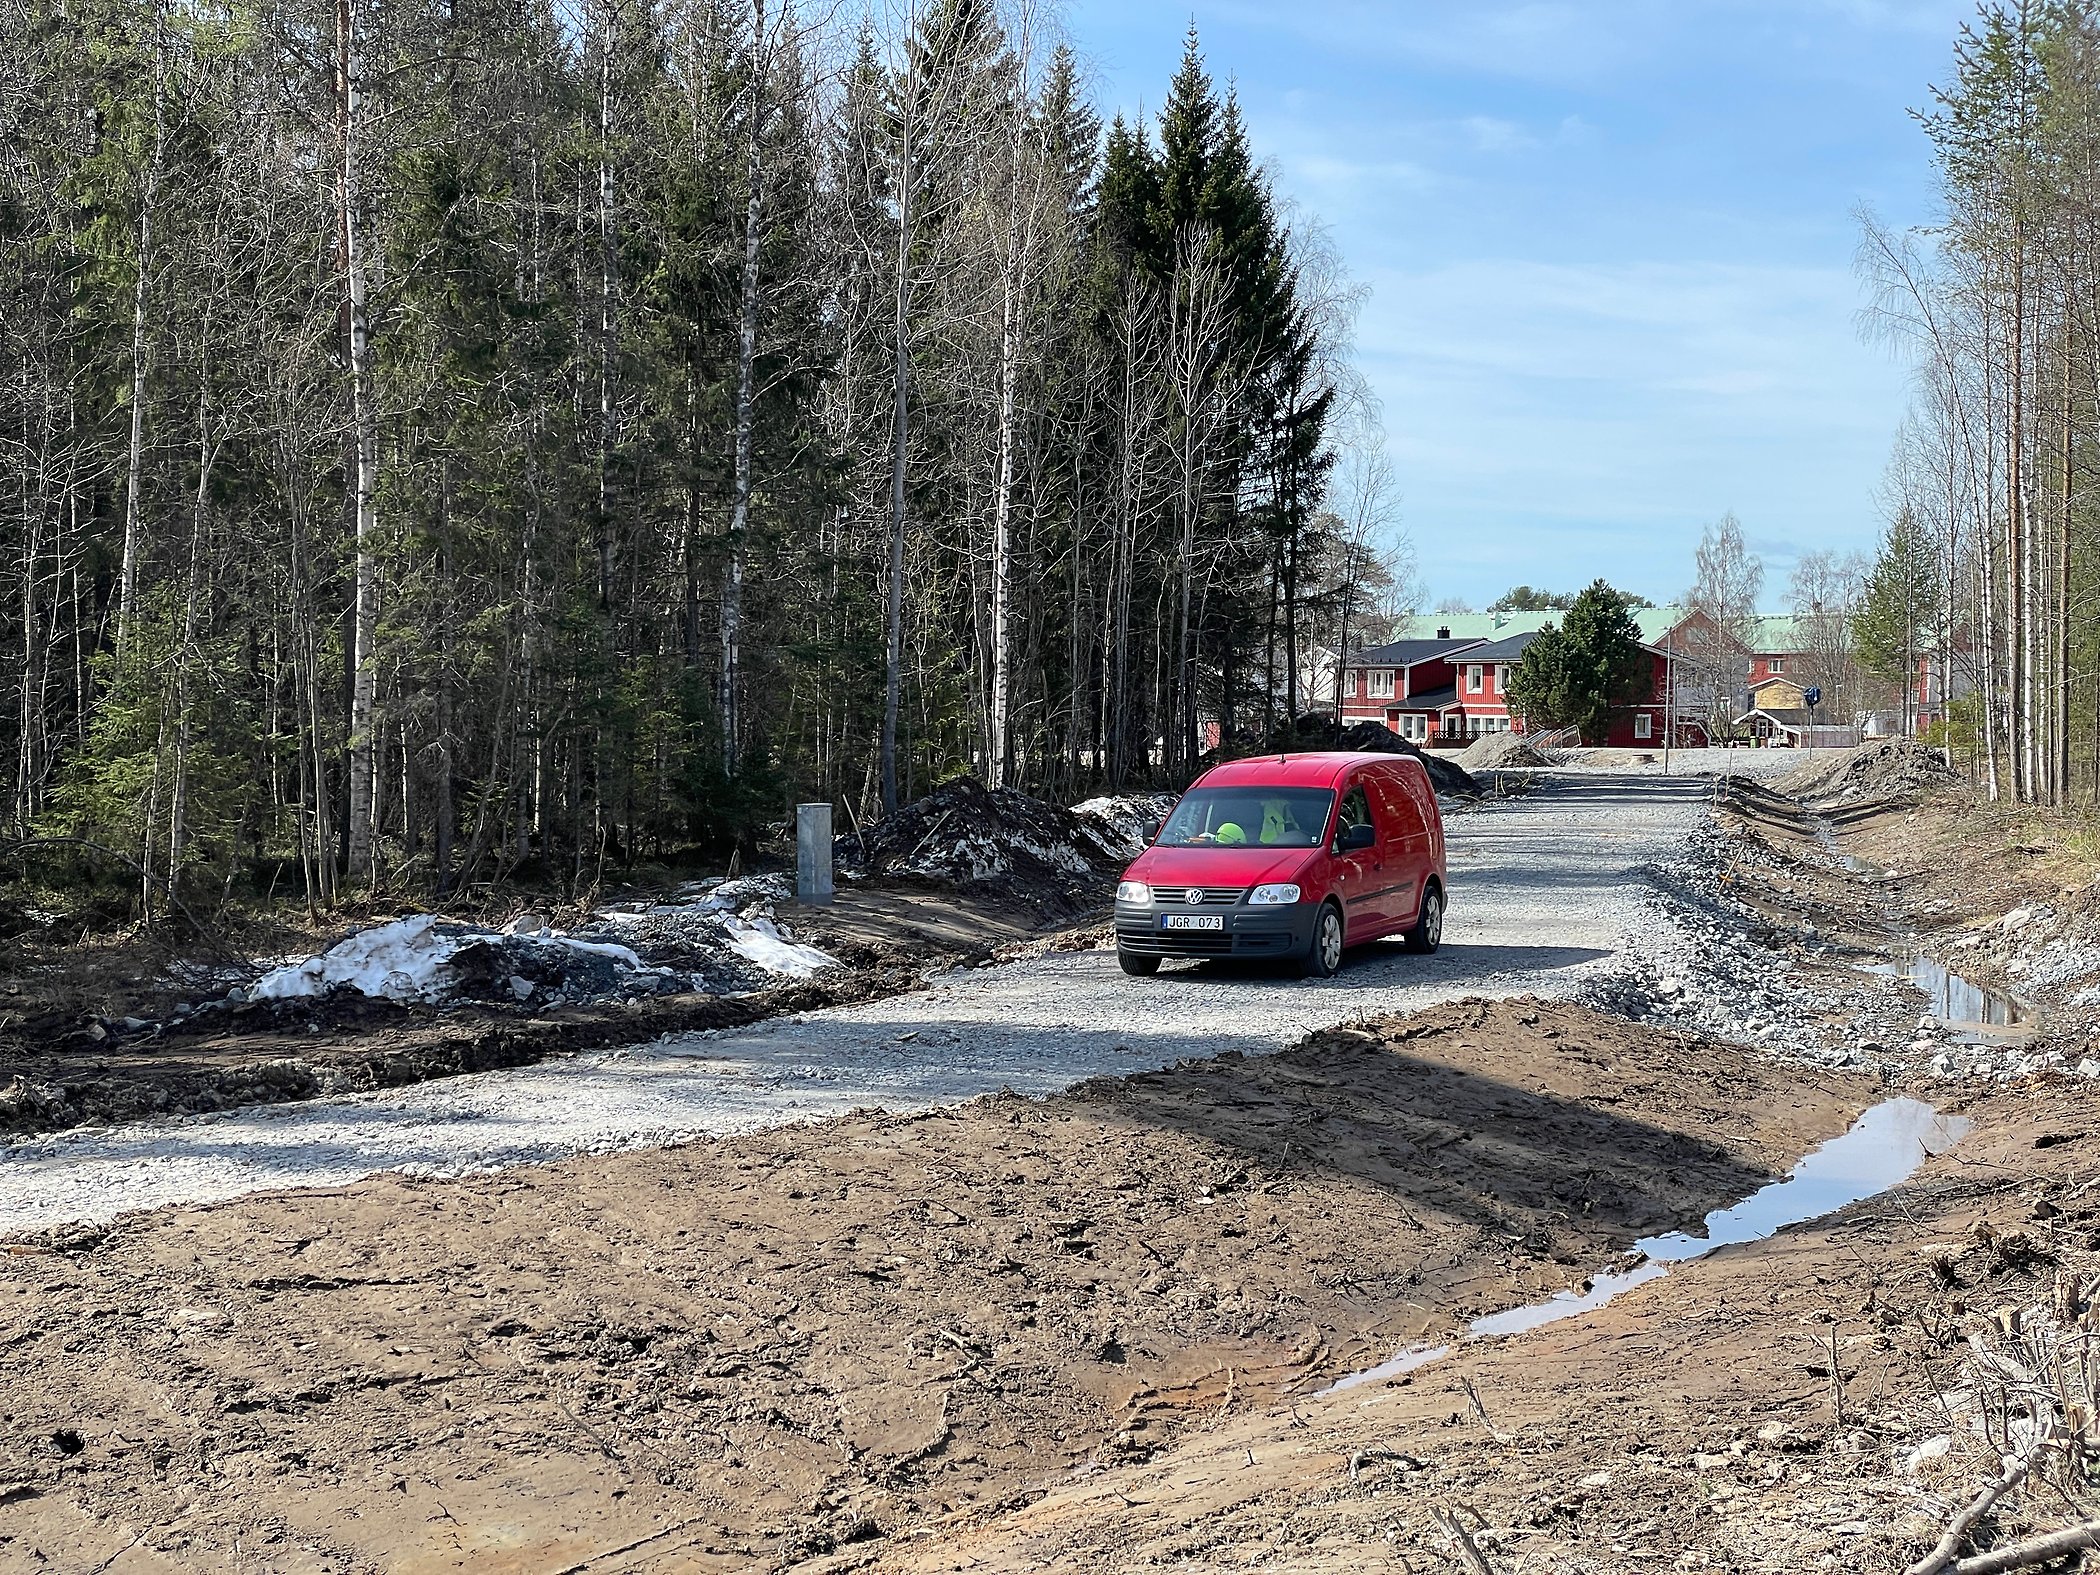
399	961
760	940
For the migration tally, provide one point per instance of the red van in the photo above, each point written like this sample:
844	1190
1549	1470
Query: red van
1290	856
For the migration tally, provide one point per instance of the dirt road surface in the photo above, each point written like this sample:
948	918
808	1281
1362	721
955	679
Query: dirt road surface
1547	890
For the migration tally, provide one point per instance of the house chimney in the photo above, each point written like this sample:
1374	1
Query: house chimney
1443	632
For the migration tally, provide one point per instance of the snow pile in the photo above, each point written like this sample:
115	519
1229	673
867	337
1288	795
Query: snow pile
966	834
759	939
724	941
1890	768
428	959
400	961
1127	820
723	934
1500	752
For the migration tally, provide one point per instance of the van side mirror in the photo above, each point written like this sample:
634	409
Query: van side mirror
1154	827
1356	838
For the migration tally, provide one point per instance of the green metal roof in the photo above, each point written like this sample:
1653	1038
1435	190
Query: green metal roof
1773	632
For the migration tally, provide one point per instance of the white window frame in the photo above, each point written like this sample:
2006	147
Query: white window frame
1473	678
1381	683
1414	727
1501	678
1643	725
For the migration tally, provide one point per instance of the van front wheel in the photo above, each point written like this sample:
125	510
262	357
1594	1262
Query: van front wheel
1323	957
1137	967
1428	932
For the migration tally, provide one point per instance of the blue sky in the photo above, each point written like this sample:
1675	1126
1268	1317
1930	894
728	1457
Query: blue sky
1609	247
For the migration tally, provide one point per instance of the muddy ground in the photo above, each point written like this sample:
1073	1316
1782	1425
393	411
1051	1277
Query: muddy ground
1781	1407
66	1060
759	1352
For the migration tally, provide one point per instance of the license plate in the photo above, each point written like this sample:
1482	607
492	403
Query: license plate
1192	921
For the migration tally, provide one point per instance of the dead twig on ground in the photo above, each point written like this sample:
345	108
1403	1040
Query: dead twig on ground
1944	1551
1468	1550
1837	1380
1480	1411
1381	1457
2036	1550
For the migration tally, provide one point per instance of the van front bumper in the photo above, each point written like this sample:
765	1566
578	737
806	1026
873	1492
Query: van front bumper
1270	930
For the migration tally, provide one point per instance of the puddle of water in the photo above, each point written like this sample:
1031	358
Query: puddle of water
1884	1146
1956	1001
1971	1009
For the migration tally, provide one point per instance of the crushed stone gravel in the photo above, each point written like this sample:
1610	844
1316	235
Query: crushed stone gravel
1591	888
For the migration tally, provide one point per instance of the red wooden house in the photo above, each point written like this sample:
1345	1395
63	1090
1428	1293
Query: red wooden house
1408	686
1451	691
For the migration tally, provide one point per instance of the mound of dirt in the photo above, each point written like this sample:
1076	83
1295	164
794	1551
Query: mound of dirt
966	834
1446	775
1500	752
1889	768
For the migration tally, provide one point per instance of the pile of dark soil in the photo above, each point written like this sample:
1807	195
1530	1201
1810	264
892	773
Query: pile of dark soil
970	836
1446	775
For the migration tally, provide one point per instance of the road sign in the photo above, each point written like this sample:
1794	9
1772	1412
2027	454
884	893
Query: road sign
1811	695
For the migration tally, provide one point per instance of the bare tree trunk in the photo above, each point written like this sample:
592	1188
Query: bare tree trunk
746	356
997	745
186	649
608	308
365	425
900	435
135	461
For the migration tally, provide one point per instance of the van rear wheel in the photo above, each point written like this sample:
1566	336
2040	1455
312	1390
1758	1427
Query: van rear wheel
1137	967
1323	957
1428	931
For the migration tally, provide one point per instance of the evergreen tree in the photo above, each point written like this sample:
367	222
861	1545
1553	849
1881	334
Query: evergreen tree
1582	672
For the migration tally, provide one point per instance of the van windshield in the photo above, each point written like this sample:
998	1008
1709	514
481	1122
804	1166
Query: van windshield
1270	817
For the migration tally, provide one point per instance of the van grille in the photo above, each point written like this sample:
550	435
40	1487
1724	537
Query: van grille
1197	896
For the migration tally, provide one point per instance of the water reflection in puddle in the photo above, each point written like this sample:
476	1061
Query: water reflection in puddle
1971	1010
1885	1146
1956	1001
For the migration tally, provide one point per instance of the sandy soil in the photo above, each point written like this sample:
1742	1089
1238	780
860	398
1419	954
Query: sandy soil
1762	1410
756	1352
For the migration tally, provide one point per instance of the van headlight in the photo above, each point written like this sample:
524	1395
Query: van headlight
1134	891
1281	892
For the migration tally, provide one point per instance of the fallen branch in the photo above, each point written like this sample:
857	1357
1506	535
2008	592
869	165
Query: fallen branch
1944	1551
2036	1550
1468	1549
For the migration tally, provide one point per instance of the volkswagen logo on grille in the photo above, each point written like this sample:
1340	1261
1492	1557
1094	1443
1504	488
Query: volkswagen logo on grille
1195	896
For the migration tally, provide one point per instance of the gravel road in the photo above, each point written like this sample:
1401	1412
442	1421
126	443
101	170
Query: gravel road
1547	891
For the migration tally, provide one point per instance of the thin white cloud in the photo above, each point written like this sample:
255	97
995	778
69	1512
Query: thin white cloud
1492	134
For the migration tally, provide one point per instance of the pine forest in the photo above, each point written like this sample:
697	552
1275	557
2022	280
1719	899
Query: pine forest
445	442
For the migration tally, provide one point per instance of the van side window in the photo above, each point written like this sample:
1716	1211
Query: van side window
1355	811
